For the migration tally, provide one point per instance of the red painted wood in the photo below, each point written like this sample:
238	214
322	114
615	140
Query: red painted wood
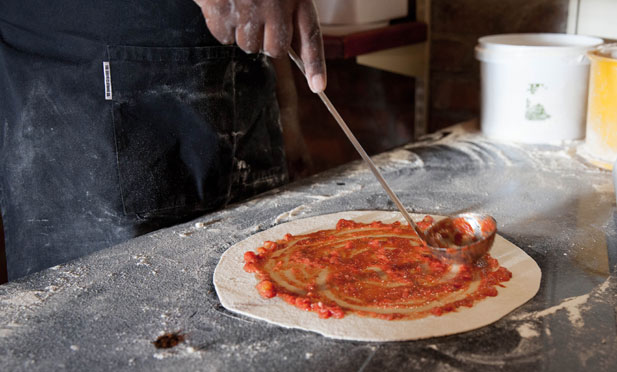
352	45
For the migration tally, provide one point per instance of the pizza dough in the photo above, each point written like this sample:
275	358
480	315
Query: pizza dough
236	289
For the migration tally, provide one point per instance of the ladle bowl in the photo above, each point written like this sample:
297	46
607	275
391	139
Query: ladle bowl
461	239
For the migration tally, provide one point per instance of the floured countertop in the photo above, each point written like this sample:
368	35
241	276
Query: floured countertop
102	312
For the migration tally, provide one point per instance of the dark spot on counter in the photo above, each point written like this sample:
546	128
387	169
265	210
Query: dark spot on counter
169	340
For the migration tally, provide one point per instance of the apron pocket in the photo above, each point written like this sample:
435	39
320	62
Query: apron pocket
172	110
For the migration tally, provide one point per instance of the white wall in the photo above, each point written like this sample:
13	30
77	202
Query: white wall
593	17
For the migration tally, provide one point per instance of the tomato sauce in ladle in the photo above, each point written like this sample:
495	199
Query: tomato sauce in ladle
461	239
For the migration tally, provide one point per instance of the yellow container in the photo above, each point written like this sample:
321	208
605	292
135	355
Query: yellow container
601	133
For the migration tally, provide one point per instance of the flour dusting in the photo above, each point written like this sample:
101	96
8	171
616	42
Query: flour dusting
574	306
528	330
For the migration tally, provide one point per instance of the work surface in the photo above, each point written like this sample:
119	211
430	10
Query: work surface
102	312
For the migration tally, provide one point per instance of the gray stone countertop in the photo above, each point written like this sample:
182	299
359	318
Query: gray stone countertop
103	311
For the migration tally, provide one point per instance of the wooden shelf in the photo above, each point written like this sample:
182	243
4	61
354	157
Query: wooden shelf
393	36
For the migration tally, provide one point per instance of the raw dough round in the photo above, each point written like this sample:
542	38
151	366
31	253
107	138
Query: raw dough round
236	289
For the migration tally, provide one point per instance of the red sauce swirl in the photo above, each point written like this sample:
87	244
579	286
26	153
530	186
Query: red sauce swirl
376	269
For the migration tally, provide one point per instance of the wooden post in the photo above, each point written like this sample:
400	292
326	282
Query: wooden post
4	276
422	96
411	60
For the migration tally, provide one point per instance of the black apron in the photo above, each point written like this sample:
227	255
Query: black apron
118	118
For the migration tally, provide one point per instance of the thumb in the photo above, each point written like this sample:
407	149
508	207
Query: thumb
309	43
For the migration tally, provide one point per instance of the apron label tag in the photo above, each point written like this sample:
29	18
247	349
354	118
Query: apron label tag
107	76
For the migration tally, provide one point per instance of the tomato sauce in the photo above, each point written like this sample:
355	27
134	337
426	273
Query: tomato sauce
376	269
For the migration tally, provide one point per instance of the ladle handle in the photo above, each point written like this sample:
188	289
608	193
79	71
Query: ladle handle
294	57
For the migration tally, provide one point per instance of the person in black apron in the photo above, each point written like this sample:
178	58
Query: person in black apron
118	118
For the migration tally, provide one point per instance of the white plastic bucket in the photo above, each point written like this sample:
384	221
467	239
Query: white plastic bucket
534	86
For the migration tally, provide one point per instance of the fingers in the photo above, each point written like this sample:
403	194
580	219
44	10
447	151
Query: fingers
309	45
228	24
217	19
249	37
278	33
224	34
271	27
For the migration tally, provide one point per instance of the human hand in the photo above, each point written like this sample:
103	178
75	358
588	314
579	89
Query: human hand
271	26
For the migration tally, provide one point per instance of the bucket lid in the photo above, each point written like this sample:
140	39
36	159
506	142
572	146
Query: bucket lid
506	47
605	51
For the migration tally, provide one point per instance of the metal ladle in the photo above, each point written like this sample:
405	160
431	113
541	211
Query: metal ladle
474	233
